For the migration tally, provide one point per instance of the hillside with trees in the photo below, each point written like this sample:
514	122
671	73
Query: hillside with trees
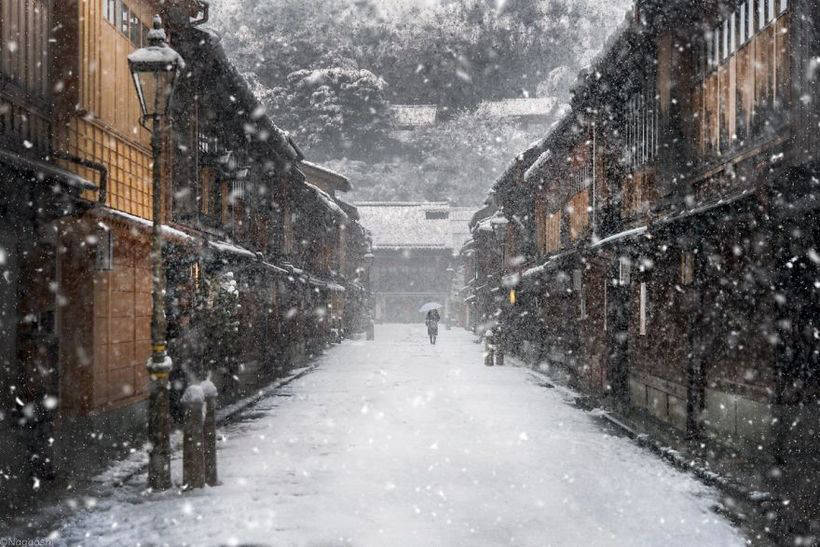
328	71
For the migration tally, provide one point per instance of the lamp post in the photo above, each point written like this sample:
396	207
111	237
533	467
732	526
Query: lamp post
499	224
370	327
448	303
155	70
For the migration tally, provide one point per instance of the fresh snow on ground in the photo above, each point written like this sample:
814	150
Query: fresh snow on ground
397	442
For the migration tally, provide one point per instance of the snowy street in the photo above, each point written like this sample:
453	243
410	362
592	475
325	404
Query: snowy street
396	442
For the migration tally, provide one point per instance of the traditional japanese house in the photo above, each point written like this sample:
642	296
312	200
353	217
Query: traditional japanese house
413	249
36	194
79	233
483	257
338	231
672	214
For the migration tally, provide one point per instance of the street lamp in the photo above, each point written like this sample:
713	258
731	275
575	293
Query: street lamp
499	224
368	258
155	70
449	306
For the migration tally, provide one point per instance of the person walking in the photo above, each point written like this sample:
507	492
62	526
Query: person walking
432	320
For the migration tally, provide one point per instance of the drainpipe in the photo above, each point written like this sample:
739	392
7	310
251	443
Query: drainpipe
594	186
102	194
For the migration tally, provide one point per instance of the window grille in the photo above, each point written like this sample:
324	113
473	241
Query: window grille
642	135
623	271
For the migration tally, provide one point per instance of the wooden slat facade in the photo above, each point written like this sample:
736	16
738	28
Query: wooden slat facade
98	111
696	200
25	31
741	96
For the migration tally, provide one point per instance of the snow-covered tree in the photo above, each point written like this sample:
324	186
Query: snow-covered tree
333	109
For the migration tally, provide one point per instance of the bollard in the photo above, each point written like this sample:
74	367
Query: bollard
499	356
488	348
371	330
499	338
209	436
193	462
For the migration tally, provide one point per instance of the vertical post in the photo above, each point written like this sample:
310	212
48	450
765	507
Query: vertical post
594	184
209	390
489	354
193	444
159	365
499	332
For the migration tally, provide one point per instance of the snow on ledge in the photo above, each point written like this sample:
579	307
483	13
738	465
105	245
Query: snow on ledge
231	248
327	200
620	235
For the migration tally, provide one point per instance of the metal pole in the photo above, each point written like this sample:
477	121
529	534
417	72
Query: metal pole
594	185
159	365
500	331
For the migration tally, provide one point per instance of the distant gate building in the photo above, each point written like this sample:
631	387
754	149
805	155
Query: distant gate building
413	248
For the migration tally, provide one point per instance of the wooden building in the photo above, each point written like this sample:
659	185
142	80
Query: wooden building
413	250
254	251
669	222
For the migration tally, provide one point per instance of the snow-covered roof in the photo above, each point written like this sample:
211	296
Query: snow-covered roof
460	226
413	115
620	235
250	112
535	167
513	108
314	171
225	247
406	224
166	230
45	170
327	201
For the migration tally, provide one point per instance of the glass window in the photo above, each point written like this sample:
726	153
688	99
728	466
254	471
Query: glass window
741	25
110	10
770	13
710	56
716	34
750	19
136	27
732	34
725	34
126	17
784	4
761	14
